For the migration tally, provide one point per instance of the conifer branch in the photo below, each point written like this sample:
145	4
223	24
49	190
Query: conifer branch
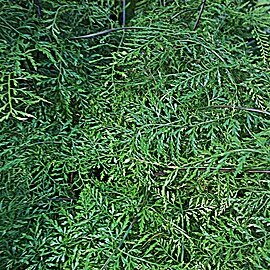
200	14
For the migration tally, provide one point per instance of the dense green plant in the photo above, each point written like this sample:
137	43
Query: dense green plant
141	149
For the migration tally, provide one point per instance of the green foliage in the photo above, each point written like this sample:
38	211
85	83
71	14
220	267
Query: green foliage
136	149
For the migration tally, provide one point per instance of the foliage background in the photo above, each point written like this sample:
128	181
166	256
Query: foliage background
104	141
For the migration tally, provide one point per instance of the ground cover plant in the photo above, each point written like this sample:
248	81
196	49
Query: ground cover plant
140	149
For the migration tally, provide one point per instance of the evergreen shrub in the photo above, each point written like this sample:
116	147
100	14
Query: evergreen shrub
147	148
